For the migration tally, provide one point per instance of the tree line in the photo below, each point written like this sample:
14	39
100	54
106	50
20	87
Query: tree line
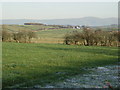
86	37
90	37
23	36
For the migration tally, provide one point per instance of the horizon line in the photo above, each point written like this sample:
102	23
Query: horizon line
61	18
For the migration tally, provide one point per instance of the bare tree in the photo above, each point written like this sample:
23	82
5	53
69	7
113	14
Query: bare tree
88	36
24	36
31	35
6	36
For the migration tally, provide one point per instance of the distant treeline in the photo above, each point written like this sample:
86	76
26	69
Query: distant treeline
90	37
33	24
86	36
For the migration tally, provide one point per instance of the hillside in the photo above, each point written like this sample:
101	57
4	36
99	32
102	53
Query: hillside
51	33
91	21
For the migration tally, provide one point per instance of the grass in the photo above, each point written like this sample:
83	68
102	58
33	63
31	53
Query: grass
29	64
52	36
57	33
45	36
25	27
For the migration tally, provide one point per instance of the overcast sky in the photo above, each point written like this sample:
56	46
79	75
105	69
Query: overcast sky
58	10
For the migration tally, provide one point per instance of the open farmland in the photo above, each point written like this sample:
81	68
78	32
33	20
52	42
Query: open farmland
46	34
59	45
29	64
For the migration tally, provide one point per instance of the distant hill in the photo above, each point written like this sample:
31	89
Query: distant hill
91	21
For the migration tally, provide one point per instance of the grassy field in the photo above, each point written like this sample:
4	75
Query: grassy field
29	64
14	28
52	36
44	36
58	33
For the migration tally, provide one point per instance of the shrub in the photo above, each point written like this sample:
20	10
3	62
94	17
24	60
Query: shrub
91	37
24	36
6	36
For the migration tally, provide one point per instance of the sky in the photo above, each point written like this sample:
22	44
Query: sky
58	10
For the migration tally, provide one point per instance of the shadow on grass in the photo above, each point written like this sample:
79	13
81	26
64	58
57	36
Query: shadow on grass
56	73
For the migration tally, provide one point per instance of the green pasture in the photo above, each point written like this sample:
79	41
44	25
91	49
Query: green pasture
44	36
25	65
57	33
25	27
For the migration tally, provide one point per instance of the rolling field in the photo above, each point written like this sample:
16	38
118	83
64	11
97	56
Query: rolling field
14	28
52	36
44	36
30	64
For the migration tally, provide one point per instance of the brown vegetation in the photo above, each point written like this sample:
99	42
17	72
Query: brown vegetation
89	37
33	24
21	36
